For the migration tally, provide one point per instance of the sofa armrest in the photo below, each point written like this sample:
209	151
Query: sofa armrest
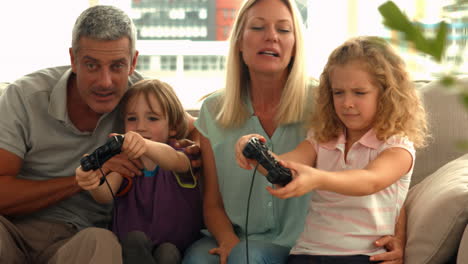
437	214
463	248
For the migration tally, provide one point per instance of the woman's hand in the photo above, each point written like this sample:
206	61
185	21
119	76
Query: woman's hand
242	161
395	250
87	180
191	149
224	250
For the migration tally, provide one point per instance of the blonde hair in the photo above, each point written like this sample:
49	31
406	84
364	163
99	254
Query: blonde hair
170	104
233	111
400	110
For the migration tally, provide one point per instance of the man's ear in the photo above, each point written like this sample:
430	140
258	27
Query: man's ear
134	62
72	60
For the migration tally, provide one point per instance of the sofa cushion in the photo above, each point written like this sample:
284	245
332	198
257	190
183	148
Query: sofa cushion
437	210
463	249
448	124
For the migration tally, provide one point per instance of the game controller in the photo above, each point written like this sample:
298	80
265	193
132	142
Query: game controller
103	153
257	150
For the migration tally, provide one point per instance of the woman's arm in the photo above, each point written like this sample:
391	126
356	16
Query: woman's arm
215	216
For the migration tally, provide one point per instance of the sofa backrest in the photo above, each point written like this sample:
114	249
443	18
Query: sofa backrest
448	124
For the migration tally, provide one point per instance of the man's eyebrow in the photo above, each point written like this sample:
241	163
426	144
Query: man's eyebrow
120	60
90	58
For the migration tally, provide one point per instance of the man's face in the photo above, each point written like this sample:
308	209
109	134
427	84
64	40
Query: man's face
102	69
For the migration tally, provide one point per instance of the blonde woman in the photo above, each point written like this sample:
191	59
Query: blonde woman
266	92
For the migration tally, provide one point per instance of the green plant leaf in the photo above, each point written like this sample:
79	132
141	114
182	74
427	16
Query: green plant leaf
465	100
395	19
447	81
439	43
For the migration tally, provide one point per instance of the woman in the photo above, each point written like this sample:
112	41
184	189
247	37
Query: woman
266	93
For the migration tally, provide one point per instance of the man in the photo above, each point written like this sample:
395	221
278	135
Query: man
48	120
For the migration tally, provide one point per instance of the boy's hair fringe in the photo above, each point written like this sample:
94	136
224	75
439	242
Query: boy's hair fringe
167	98
400	110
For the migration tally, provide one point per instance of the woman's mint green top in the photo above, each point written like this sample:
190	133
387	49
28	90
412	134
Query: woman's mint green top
270	218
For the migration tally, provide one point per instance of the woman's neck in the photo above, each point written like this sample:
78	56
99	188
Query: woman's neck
266	93
266	96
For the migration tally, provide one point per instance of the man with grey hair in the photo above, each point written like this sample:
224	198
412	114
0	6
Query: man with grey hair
48	120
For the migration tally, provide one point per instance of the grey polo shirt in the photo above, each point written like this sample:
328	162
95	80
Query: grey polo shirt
34	125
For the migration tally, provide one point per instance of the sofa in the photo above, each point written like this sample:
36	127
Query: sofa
437	203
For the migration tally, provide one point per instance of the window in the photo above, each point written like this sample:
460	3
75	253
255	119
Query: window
183	42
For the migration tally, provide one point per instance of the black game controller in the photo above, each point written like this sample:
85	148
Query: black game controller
95	160
277	174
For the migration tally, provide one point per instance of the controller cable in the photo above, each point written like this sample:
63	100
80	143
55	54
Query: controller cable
247	215
110	189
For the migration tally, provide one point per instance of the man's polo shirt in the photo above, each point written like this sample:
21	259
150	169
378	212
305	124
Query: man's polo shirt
34	125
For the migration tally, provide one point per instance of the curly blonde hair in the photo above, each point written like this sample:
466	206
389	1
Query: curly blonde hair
400	110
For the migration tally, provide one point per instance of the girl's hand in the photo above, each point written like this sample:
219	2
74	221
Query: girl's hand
87	180
305	179
242	161
134	145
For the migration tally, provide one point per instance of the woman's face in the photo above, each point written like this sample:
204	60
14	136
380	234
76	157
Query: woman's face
267	41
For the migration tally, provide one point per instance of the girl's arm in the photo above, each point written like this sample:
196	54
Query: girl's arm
89	180
387	168
304	153
215	216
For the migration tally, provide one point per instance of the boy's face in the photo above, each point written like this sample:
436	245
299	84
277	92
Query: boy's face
147	120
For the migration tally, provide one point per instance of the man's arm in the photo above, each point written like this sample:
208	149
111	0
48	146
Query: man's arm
21	196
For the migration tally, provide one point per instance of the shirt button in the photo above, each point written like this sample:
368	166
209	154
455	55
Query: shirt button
270	204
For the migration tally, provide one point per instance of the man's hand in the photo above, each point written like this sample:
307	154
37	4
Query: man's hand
394	247
122	165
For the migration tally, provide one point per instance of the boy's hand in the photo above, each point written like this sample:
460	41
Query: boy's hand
242	161
134	145
87	180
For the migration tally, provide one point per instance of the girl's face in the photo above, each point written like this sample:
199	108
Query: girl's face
267	41
355	97
148	121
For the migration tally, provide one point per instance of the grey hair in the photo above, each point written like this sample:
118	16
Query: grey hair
103	22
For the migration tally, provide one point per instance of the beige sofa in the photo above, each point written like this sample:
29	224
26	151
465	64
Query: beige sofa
437	203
